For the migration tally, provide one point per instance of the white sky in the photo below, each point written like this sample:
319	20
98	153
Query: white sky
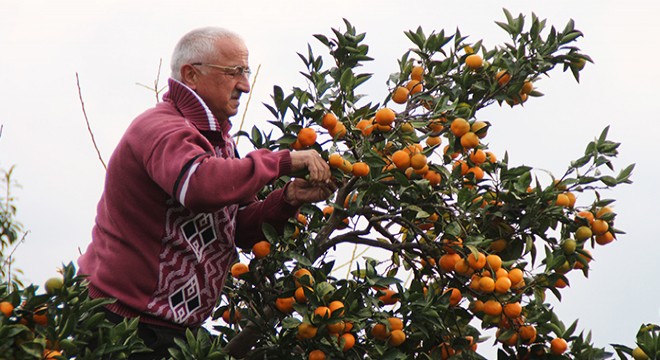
115	44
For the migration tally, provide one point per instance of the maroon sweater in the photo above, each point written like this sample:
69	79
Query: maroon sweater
176	204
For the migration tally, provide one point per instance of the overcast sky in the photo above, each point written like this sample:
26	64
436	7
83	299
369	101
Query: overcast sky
113	45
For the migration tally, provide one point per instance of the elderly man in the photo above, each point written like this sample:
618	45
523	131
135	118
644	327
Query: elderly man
178	201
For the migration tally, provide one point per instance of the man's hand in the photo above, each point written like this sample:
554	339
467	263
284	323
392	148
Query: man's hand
301	191
319	171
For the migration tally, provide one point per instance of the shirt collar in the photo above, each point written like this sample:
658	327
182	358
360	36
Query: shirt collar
193	108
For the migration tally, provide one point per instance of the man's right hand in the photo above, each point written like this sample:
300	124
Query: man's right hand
319	171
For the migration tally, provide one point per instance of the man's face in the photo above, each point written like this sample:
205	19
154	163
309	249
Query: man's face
219	90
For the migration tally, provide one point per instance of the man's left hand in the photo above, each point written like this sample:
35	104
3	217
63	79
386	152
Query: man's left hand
301	191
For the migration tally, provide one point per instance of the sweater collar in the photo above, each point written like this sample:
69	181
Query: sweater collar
193	108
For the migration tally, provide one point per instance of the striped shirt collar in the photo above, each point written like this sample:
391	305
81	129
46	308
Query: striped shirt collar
193	108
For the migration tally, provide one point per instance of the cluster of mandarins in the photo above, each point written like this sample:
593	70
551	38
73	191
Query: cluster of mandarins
36	319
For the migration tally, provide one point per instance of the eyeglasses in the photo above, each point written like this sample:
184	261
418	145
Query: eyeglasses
234	71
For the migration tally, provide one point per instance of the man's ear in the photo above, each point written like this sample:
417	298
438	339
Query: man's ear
189	76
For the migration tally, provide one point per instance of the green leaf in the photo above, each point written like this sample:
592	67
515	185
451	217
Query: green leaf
269	232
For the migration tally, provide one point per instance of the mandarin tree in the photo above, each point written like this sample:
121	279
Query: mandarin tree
471	244
463	246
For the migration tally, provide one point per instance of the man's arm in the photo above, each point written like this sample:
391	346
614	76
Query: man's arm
277	208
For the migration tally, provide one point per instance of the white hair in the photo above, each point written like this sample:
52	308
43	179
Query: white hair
197	46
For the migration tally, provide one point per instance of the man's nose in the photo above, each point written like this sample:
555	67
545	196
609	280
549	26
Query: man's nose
243	85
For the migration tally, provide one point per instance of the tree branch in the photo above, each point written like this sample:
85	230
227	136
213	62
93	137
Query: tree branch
89	129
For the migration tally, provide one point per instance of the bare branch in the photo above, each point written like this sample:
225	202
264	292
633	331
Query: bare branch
247	103
89	129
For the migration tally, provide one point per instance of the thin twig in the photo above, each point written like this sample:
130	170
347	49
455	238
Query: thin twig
247	104
89	128
8	259
1	130
155	88
160	64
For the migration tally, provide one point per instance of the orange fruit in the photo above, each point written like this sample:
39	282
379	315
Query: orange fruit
385	116
306	330
335	160
316	355
407	127
502	77
231	317
400	95
397	337
512	310
494	262
296	145
360	169
527	87
436	125
600	227
299	294
558	346
602	211
307	137
51	354
498	245
501	272
285	305
336	327
433	177
604	239
40	318
562	200
491	157
469	140
339	131
346	166
380	332
587	216
463	165
366	126
477	306
414	86
336	306
6	308
322	311
502	285
448	261
348	340
474	61
486	285
527	333
395	323
477	263
477	156
477	172
515	275
455	296
239	269
418	161
301	219
302	272
329	121
583	233
572	199
462	267
388	298
401	159
492	308
261	249
480	128
417	73
459	127
433	140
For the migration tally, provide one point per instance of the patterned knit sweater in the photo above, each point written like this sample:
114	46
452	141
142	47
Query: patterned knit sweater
176	203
